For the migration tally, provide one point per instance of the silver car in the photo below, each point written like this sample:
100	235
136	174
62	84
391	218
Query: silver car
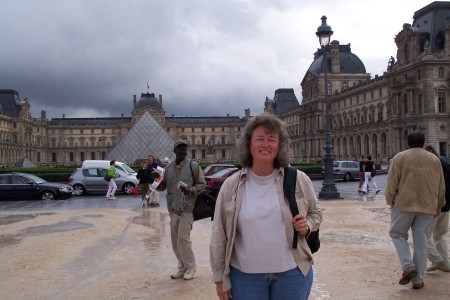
345	169
91	180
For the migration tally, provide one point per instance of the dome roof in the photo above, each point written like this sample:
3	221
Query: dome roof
148	100
349	62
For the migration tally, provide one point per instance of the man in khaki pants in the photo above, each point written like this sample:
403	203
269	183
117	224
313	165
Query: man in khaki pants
181	195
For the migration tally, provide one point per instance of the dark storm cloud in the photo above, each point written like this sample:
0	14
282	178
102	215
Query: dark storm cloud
206	57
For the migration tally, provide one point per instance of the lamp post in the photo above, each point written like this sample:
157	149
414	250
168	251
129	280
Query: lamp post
328	190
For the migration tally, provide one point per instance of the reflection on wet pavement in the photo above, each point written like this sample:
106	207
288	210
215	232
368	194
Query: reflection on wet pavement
9	239
9	219
12	239
159	237
59	227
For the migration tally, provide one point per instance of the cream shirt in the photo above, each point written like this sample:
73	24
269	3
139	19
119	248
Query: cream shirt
261	245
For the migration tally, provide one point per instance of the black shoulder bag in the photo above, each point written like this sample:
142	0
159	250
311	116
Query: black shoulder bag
289	183
205	203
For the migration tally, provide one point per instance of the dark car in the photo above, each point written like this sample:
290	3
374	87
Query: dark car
214	168
27	186
214	182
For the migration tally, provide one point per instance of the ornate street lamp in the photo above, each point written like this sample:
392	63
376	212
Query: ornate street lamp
328	190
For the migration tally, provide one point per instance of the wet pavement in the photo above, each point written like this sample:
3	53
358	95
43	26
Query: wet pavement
88	247
347	190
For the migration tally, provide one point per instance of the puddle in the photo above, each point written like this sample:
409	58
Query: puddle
84	217
7	239
59	227
10	219
149	218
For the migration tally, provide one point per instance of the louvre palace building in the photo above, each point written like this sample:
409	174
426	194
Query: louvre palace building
369	115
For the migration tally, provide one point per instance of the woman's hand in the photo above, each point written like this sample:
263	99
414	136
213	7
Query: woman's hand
301	224
220	293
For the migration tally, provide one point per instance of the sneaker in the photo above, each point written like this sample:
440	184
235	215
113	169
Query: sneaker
113	198
408	274
444	267
418	286
189	274
434	267
178	275
377	191
156	204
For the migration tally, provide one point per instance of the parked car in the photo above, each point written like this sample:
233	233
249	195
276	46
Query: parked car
105	164
28	186
214	182
214	168
91	180
346	170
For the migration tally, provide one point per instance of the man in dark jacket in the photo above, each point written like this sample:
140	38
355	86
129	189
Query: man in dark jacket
437	232
361	173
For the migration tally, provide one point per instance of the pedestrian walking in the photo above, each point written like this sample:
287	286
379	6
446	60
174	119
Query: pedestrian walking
112	186
361	173
143	176
251	250
152	164
437	235
368	167
415	191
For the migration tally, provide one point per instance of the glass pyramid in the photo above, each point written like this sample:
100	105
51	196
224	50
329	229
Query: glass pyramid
146	137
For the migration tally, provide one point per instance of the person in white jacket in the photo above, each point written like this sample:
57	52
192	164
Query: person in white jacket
251	250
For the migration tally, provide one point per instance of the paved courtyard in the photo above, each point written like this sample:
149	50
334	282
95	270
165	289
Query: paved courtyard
91	248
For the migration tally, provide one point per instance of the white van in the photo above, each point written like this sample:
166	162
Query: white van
105	164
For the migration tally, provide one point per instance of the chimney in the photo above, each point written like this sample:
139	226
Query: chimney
64	115
134	100
160	99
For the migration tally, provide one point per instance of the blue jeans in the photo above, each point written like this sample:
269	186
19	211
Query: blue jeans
276	286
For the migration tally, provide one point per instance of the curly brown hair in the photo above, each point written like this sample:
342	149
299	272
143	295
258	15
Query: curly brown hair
271	123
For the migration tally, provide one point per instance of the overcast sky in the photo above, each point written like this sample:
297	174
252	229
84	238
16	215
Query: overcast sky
87	58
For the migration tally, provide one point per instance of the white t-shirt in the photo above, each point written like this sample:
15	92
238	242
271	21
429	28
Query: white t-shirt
261	245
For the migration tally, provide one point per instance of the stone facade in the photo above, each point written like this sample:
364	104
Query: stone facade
368	115
375	115
70	141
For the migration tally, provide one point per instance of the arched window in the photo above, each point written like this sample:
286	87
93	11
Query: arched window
441	72
344	86
329	88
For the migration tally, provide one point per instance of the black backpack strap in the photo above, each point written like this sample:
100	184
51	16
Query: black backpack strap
289	182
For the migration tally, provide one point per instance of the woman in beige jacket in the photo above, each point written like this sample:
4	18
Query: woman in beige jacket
251	249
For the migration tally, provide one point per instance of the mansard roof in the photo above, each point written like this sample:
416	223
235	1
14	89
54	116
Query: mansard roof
432	19
284	101
10	103
89	121
206	120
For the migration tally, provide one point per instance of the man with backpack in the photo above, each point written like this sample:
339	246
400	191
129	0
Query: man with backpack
181	195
